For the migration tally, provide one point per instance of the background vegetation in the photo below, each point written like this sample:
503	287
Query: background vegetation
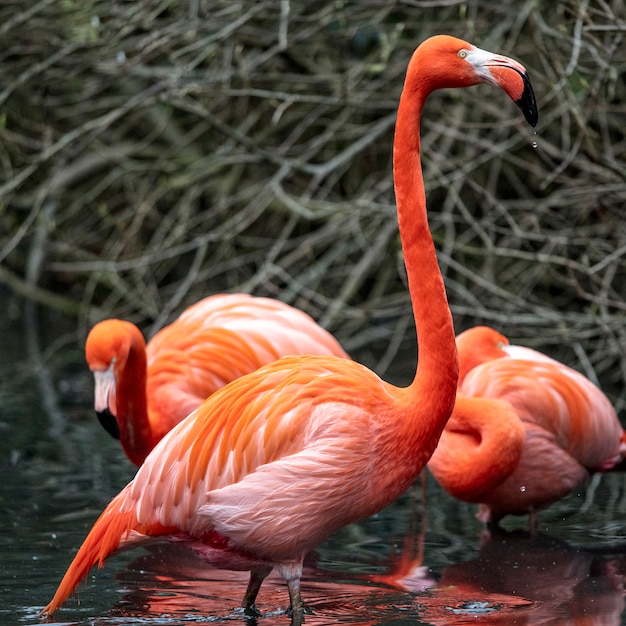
155	152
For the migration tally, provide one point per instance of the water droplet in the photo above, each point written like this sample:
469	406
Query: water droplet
522	488
534	144
121	57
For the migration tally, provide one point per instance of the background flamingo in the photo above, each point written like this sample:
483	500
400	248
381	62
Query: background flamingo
141	391
525	431
277	460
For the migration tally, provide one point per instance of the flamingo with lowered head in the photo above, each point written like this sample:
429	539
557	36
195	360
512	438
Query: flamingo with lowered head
525	431
277	460
142	391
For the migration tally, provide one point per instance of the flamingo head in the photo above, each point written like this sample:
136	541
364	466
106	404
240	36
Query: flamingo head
110	345
446	61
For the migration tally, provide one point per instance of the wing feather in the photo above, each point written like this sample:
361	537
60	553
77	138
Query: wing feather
219	339
251	423
298	491
555	398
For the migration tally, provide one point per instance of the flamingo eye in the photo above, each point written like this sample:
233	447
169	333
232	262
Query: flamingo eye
462	54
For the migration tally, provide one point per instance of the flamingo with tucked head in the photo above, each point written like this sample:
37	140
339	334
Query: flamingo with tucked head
526	429
142	391
277	460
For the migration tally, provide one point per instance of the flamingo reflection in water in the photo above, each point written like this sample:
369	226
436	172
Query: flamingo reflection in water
531	579
169	580
515	577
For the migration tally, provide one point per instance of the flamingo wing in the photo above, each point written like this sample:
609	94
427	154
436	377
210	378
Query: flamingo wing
230	466
218	340
557	399
522	353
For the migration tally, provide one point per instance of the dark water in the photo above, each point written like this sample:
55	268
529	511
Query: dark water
424	560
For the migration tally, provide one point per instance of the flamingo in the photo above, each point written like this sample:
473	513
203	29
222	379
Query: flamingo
526	429
142	392
277	460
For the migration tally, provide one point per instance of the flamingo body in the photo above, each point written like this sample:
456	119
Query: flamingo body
526	429
277	460
265	469
141	392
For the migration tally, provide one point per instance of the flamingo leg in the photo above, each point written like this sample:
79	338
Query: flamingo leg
297	608
257	576
292	572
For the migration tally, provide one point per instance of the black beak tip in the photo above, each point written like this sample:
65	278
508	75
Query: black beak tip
527	102
109	423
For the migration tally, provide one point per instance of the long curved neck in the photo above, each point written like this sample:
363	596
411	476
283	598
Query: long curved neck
479	448
434	386
131	405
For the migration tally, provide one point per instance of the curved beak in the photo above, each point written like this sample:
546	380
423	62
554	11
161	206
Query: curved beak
104	401
510	76
527	102
109	423
517	84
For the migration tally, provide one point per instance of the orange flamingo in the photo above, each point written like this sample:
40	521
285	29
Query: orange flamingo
277	460
142	392
526	430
